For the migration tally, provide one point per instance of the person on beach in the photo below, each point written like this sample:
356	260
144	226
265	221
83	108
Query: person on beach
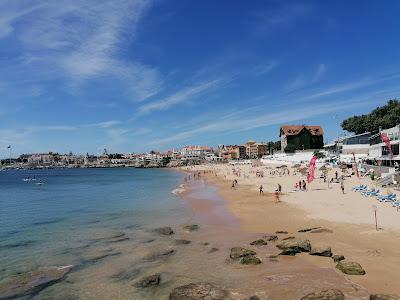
342	187
296	186
279	188
233	185
300	185
336	175
276	196
304	186
261	190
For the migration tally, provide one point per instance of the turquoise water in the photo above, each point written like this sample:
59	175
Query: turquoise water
40	224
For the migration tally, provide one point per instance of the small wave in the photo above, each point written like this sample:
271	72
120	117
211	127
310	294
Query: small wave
179	190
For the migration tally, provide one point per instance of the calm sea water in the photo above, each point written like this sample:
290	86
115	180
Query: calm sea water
38	223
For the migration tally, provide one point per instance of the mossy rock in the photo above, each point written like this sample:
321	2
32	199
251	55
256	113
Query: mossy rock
331	294
239	252
350	267
250	260
259	242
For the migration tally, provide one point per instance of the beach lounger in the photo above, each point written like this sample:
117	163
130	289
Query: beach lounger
389	198
367	193
359	188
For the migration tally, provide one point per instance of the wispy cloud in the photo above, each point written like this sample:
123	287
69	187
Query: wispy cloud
302	80
81	40
185	94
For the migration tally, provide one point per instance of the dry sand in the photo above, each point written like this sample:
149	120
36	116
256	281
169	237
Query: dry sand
349	216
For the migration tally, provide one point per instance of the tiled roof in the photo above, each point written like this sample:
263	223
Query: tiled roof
295	129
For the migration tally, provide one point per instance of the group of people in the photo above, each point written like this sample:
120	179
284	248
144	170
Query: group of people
301	185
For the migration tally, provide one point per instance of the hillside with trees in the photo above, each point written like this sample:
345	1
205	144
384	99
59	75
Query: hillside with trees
383	117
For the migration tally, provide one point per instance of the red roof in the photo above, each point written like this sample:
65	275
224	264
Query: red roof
295	129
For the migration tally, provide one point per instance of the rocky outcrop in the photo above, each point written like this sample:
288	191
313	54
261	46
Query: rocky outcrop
32	283
290	252
200	291
321	251
191	227
309	229
182	242
281	232
332	294
271	238
298	245
259	242
148	281
159	254
384	297
250	260
321	230
164	230
350	267
238	252
337	258
253	298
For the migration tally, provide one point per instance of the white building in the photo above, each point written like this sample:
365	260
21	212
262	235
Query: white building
378	151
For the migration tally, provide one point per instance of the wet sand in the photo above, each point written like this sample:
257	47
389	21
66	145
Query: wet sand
377	251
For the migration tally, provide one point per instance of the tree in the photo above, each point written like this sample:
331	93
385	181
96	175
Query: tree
383	117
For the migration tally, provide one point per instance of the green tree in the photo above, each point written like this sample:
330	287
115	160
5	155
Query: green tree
383	117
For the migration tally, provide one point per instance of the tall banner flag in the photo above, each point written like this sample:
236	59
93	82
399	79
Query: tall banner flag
386	140
355	166
310	176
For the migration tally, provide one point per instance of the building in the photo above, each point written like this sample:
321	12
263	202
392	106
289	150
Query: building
195	152
232	151
378	151
357	144
301	137
255	150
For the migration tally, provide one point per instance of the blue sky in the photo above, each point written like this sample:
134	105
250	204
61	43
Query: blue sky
139	75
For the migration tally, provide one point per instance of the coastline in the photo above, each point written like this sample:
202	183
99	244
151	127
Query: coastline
375	250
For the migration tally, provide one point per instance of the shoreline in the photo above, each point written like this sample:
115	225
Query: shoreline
375	250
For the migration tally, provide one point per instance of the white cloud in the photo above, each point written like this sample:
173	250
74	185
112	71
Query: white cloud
186	94
81	39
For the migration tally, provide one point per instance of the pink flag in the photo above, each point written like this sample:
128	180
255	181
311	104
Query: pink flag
310	176
386	140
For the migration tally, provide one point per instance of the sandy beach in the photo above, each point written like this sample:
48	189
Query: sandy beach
348	218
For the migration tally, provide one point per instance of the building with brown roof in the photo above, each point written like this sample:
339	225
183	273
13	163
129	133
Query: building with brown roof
301	137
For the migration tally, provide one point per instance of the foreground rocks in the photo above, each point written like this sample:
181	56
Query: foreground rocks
159	254
200	291
337	258
383	297
250	260
259	242
294	245
271	238
32	283
148	281
350	267
164	230
238	252
191	227
321	251
309	229
331	294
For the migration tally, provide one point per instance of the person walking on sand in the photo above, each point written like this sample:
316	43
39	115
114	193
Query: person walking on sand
279	188
261	190
336	175
233	185
276	196
300	185
304	186
342	187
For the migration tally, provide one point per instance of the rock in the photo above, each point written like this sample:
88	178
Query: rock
281	232
321	230
164	230
332	294
238	252
192	227
271	238
200	291
290	251
250	260
159	254
182	242
254	298
259	242
147	281
337	258
95	256
350	267
321	251
118	240
212	250
126	275
32	283
384	297
298	245
288	238
308	229
205	244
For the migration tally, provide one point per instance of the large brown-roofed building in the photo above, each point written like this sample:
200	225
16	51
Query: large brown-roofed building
301	137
